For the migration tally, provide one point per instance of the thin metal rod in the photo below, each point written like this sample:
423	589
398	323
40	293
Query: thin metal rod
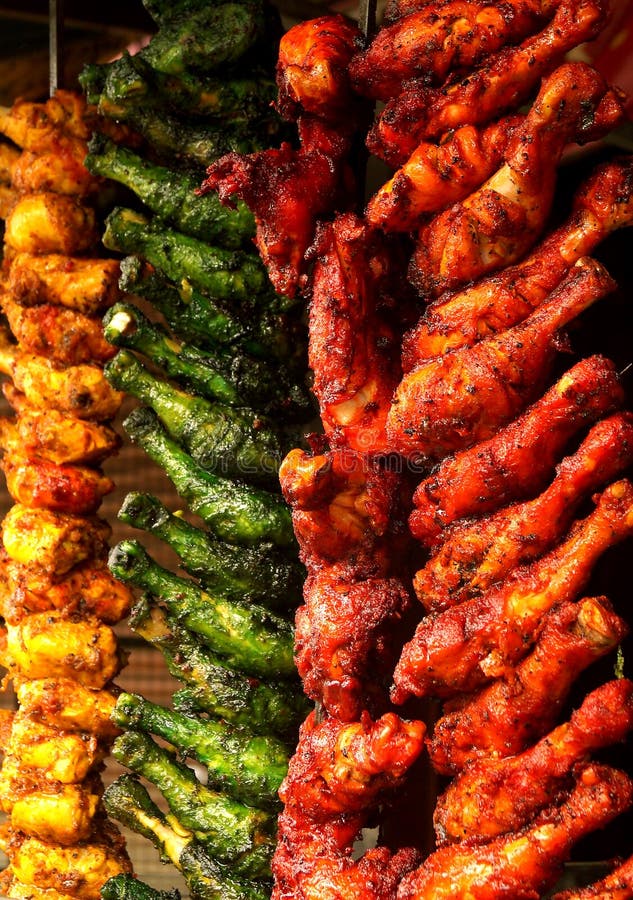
367	18
55	45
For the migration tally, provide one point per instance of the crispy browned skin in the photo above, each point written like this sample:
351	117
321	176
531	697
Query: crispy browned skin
346	639
452	402
55	436
438	174
603	204
504	81
288	190
493	796
523	704
519	460
461	648
88	286
37	126
617	885
64	336
353	334
434	40
342	506
524	864
477	553
313	68
499	222
337	776
61	169
62	488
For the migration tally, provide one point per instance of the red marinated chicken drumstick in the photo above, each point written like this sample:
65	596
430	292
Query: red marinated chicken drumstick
494	796
461	648
504	81
523	864
475	554
518	708
519	460
602	205
498	223
617	885
438	38
450	403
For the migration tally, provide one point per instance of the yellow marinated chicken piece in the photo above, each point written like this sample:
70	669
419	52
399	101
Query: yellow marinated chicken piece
88	588
80	390
46	222
68	705
87	285
16	890
61	756
60	813
37	126
53	542
79	871
54	435
53	644
60	169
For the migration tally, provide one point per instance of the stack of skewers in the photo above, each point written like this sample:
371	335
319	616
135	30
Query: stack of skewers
59	599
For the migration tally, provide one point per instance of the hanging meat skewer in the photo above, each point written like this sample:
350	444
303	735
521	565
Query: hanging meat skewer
59	599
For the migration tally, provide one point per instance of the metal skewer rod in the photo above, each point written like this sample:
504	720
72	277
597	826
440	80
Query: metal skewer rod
367	18
55	44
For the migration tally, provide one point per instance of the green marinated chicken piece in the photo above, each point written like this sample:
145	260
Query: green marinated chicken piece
266	707
171	196
258	574
233	377
234	442
128	887
235	512
235	834
128	801
259	326
247	636
243	765
231	275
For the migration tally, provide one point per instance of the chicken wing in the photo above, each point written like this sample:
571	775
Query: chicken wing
523	704
64	336
617	885
312	69
452	402
37	483
502	83
602	205
353	335
495	796
436	39
466	645
519	460
438	174
88	286
347	641
477	553
288	190
524	864
343	505
497	224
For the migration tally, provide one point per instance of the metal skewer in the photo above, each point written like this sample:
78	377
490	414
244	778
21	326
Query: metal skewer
55	44
367	18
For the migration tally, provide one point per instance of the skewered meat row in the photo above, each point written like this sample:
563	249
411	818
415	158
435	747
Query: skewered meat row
487	415
59	599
